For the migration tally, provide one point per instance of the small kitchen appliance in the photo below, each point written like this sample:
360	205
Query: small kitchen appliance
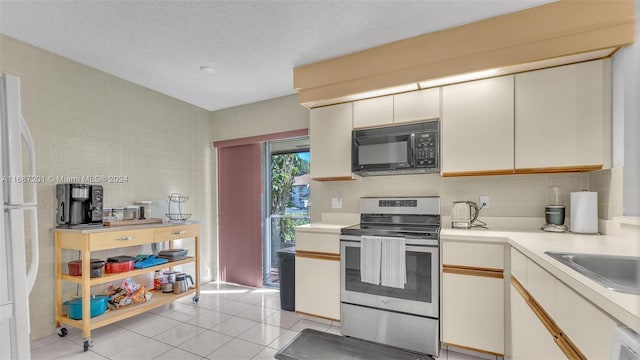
464	214
181	285
554	213
390	273
79	205
395	150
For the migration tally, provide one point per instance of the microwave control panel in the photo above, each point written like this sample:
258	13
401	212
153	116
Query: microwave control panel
426	149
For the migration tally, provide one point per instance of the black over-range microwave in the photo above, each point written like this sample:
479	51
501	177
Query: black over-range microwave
399	149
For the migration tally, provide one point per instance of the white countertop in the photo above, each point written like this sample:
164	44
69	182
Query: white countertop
623	307
321	228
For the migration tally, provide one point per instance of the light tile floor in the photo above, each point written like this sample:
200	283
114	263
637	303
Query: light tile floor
229	322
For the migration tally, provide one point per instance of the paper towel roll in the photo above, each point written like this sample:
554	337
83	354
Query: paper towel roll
584	212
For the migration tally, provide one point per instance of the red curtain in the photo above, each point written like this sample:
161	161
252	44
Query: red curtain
240	214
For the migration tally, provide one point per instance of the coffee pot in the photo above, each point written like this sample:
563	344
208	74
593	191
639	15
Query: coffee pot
181	284
463	214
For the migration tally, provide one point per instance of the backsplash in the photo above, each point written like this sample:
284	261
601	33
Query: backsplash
89	123
511	196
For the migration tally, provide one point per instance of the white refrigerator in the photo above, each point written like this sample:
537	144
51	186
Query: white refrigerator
18	226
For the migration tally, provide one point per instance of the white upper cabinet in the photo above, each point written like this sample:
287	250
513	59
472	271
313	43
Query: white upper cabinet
397	109
477	127
373	112
563	116
416	106
330	140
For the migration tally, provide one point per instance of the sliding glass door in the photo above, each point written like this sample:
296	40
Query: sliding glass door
286	204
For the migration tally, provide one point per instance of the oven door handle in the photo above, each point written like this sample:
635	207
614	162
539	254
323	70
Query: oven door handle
408	241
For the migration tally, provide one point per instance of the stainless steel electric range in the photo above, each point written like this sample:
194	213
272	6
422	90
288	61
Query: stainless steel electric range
390	273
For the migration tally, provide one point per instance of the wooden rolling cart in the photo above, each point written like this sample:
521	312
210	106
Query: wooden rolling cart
104	238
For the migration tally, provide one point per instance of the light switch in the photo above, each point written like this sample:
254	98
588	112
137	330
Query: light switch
336	203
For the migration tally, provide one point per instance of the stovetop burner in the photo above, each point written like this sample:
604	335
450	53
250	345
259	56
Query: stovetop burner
407	217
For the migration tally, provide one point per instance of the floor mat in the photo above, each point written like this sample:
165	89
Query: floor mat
317	345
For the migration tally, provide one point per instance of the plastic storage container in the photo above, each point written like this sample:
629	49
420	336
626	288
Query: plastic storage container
118	264
75	268
287	275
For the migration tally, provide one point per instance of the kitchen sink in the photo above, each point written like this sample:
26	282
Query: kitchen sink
617	273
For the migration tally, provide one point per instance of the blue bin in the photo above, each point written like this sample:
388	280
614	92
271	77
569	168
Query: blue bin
98	306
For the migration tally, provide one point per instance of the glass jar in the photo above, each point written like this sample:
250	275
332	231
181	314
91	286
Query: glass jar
144	211
130	213
118	213
107	214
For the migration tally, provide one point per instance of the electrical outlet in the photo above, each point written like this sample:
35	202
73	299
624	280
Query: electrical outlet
484	201
336	203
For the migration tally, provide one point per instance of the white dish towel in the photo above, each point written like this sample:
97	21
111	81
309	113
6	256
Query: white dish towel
370	255
394	265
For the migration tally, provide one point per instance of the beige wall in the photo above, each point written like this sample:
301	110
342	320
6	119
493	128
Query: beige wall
511	196
260	118
86	122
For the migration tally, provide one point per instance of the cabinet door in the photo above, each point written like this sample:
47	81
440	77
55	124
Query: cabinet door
416	106
563	116
529	338
373	112
330	139
589	328
473	312
318	287
477	126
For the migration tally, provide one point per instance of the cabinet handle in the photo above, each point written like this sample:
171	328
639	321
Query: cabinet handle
179	232
125	238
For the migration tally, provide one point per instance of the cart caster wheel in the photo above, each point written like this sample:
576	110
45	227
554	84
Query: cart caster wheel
62	331
86	345
196	299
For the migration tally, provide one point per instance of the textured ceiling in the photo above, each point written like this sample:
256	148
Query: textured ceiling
252	46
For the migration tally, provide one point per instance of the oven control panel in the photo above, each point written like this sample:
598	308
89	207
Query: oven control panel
398	203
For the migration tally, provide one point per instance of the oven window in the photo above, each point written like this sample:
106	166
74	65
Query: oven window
417	288
384	153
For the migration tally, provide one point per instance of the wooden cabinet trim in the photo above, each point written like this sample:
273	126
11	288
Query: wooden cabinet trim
318	316
561	339
563	169
317	255
478	173
473	271
544	170
335	178
473	349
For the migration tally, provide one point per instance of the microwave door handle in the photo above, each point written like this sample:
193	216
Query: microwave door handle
411	150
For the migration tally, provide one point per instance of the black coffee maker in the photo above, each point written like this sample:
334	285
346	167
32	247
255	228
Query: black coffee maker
79	205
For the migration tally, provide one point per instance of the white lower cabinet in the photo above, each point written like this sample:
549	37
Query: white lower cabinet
589	328
579	327
473	312
318	287
473	295
529	338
